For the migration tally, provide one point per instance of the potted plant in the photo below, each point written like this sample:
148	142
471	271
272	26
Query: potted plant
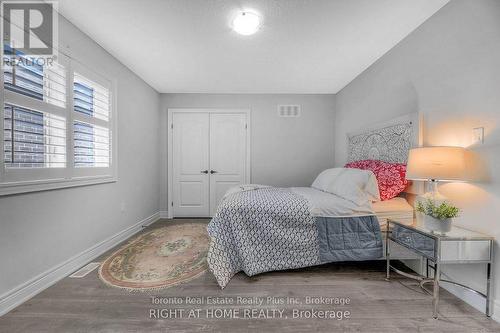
437	217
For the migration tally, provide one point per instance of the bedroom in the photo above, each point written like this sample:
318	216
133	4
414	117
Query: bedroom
338	68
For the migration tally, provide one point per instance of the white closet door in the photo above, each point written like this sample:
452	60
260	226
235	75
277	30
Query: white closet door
190	142
228	154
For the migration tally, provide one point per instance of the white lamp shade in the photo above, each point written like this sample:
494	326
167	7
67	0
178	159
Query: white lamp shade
438	163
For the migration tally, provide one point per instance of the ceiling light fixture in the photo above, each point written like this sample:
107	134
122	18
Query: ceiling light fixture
246	23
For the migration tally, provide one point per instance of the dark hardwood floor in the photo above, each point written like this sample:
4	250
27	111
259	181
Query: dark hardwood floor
88	305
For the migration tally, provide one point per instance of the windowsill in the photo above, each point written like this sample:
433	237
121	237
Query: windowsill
47	185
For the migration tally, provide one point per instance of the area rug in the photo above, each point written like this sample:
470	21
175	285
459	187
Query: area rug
158	259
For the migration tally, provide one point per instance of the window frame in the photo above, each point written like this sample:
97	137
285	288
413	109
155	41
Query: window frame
14	181
85	172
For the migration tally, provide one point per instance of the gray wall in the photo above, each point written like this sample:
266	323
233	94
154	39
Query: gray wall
449	70
284	151
41	230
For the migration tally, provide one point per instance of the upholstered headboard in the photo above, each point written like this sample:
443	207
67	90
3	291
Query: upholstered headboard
389	141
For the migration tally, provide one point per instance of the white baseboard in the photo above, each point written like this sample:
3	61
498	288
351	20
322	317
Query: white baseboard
164	214
469	297
496	311
27	290
474	300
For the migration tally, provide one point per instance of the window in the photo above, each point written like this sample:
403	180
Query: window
90	98
22	78
91	128
54	136
91	145
25	76
33	139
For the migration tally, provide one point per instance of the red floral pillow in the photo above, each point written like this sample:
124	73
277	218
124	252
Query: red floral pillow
391	177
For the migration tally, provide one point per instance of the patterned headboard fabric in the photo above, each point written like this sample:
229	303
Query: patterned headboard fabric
389	142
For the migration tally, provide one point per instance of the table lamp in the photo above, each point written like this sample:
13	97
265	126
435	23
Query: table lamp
434	164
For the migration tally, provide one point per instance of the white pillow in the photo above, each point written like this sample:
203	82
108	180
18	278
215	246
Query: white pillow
358	186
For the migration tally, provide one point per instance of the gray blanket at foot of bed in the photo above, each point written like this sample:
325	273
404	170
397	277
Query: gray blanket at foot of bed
349	238
272	229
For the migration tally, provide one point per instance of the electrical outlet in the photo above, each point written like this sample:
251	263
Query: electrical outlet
478	135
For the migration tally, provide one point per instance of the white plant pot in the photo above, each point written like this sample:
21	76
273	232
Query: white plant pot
436	225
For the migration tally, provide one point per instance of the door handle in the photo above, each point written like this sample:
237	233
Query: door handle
212	172
204	171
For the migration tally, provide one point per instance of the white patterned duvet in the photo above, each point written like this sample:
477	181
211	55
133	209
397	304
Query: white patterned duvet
270	229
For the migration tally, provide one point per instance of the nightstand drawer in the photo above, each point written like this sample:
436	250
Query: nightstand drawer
414	240
460	250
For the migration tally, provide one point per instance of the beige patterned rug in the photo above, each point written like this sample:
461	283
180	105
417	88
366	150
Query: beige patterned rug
160	258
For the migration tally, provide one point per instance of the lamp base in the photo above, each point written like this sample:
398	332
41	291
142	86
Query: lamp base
433	195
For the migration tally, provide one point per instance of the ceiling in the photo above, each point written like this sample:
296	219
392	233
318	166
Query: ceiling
304	46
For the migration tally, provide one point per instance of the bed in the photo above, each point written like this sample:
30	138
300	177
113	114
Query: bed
259	228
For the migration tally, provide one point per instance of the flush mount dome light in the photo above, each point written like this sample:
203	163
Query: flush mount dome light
246	23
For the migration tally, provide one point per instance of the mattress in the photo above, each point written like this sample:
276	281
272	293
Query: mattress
396	208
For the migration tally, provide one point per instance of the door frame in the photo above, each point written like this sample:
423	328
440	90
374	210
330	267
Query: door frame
170	157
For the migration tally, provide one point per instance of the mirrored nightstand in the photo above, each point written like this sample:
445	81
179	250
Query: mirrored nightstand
459	246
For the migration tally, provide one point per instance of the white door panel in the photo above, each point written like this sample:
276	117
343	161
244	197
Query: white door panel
190	142
192	193
212	142
227	154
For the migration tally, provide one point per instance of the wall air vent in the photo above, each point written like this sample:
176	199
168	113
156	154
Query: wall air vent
289	110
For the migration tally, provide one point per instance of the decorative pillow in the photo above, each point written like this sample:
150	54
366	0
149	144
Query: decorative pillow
391	177
357	186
